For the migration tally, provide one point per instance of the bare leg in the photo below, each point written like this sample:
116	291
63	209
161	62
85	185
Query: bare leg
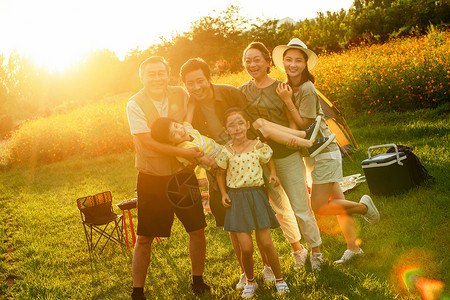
261	251
246	244
237	249
281	134
337	205
346	222
141	259
265	123
296	246
272	255
315	249
197	251
283	137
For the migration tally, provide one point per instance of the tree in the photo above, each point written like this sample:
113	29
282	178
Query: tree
4	99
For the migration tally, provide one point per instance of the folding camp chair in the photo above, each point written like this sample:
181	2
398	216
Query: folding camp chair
96	215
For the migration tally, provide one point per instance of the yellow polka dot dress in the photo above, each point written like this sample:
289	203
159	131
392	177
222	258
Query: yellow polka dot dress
250	208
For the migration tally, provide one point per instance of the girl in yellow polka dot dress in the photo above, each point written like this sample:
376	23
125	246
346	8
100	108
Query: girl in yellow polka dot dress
240	179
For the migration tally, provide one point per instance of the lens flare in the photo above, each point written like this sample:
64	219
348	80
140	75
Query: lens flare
429	289
409	275
412	270
328	225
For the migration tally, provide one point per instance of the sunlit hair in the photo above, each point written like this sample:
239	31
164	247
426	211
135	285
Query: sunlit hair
264	52
232	111
153	60
194	64
161	130
306	75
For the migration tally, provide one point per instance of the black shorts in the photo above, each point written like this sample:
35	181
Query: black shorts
156	213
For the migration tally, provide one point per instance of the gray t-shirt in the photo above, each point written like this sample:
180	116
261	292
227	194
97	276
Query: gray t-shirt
265	103
308	104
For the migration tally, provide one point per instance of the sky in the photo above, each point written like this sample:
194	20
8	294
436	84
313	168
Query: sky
57	33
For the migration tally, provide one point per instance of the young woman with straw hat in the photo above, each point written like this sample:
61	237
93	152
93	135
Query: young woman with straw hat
302	102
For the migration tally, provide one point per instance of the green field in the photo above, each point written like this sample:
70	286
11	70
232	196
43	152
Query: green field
44	253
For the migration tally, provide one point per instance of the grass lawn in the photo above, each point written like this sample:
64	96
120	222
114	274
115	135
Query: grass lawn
44	253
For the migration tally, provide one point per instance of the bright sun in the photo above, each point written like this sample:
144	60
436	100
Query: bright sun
48	32
57	34
55	59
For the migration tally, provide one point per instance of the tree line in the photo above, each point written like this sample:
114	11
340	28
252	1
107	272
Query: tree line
27	90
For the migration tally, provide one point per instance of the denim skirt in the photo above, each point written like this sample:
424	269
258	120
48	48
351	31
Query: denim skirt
250	210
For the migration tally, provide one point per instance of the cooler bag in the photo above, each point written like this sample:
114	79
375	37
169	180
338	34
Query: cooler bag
387	173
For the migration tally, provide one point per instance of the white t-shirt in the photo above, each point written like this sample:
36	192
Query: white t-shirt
136	117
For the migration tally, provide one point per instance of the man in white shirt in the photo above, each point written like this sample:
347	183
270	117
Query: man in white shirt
157	165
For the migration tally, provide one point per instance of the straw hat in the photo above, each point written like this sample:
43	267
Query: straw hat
295	43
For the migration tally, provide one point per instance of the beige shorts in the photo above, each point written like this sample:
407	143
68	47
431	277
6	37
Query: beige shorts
325	167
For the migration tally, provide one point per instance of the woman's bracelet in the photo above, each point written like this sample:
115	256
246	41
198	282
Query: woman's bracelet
291	109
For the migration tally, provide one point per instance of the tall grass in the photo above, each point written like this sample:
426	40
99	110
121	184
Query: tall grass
92	130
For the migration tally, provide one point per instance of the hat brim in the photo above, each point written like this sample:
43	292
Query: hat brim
278	51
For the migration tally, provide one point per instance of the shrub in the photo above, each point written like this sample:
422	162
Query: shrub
404	74
6	126
93	130
222	67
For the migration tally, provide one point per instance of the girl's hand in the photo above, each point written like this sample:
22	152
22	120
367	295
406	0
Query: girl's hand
292	144
226	201
275	179
207	161
284	91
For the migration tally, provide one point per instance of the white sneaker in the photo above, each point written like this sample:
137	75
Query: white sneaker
372	215
242	282
300	258
348	255
282	287
268	275
249	290
316	261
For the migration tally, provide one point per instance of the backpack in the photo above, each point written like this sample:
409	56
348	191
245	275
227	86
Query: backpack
417	171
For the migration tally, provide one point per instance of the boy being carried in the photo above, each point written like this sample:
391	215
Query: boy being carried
169	131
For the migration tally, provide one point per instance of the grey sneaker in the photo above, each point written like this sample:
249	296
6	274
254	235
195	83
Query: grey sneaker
316	261
372	216
282	287
300	258
313	128
249	290
242	282
348	255
268	275
320	144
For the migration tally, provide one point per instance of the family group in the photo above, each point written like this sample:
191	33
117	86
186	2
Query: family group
257	142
